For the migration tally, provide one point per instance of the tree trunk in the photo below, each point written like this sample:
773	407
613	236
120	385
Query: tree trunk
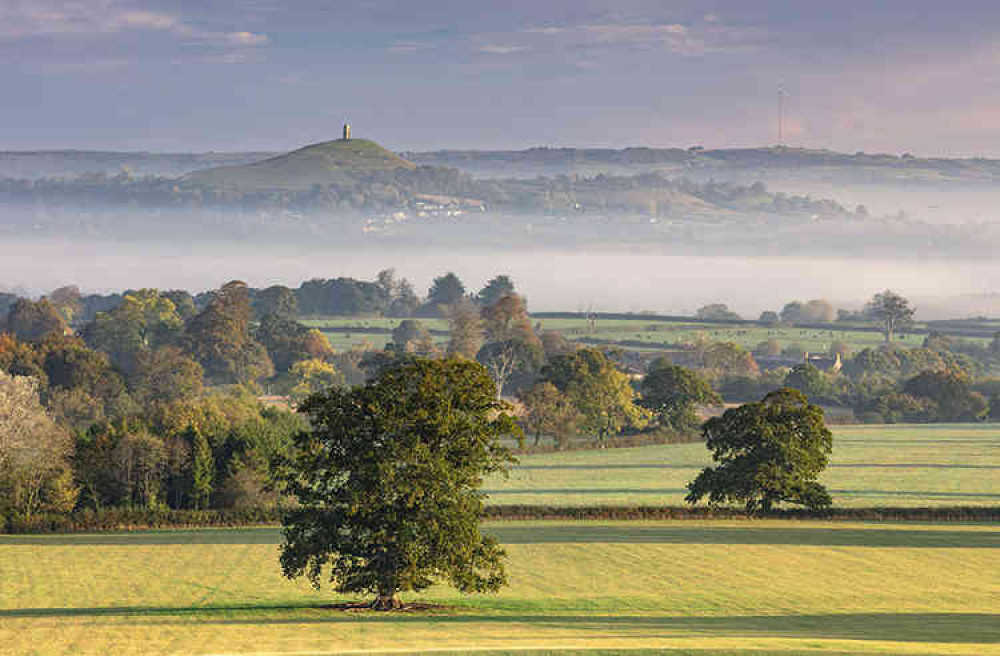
387	601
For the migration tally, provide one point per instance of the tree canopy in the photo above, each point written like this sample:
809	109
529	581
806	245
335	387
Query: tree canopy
602	394
892	310
767	452
445	291
388	483
674	394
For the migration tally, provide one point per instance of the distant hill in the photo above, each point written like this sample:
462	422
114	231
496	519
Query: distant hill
727	163
38	164
330	162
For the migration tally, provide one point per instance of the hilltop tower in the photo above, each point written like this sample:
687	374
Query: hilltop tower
347	131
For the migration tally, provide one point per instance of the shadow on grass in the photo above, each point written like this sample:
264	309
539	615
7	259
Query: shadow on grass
745	535
846	465
580	532
895	627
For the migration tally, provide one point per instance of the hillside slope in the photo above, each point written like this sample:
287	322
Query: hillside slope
321	164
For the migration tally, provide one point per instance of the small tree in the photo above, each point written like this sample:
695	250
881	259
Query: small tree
547	411
465	329
598	390
445	291
766	453
388	480
674	394
202	469
494	290
892	310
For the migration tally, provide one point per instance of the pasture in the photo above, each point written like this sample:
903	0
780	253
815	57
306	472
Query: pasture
706	588
640	332
898	465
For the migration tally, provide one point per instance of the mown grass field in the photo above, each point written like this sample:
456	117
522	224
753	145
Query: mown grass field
342	332
705	588
928	465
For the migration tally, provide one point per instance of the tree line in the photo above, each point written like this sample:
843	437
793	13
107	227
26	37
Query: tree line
181	401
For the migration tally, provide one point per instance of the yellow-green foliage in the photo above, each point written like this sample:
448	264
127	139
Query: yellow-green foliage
704	588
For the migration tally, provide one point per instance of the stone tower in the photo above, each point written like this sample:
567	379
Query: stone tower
347	131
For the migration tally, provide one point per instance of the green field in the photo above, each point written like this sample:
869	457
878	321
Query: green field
929	465
342	332
706	588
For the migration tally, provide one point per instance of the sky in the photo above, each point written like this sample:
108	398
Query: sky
916	76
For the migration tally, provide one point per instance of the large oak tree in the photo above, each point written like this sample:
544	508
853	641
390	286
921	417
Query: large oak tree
388	483
767	452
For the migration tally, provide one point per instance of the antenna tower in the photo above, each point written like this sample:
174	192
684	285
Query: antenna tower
781	115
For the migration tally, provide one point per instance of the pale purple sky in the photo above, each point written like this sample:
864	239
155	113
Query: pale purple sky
917	76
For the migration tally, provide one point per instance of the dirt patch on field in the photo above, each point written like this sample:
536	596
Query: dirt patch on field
366	607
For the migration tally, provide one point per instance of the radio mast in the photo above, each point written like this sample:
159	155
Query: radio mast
781	114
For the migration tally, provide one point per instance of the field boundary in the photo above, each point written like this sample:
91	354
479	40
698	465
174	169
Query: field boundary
138	520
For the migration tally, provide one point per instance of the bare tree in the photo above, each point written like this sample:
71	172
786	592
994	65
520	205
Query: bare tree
466	329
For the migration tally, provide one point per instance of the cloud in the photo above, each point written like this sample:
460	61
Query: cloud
675	38
22	20
408	47
500	49
710	36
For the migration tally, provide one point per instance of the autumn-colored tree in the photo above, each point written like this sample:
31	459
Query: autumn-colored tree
548	412
34	452
465	328
311	376
219	338
598	390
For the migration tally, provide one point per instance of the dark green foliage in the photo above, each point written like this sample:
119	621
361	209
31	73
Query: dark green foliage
716	311
116	520
143	320
340	296
600	392
164	375
814	311
495	289
388	482
202	469
896	407
183	303
219	338
674	394
766	453
277	300
951	392
32	321
895	362
445	291
7	301
891	310
807	379
286	340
